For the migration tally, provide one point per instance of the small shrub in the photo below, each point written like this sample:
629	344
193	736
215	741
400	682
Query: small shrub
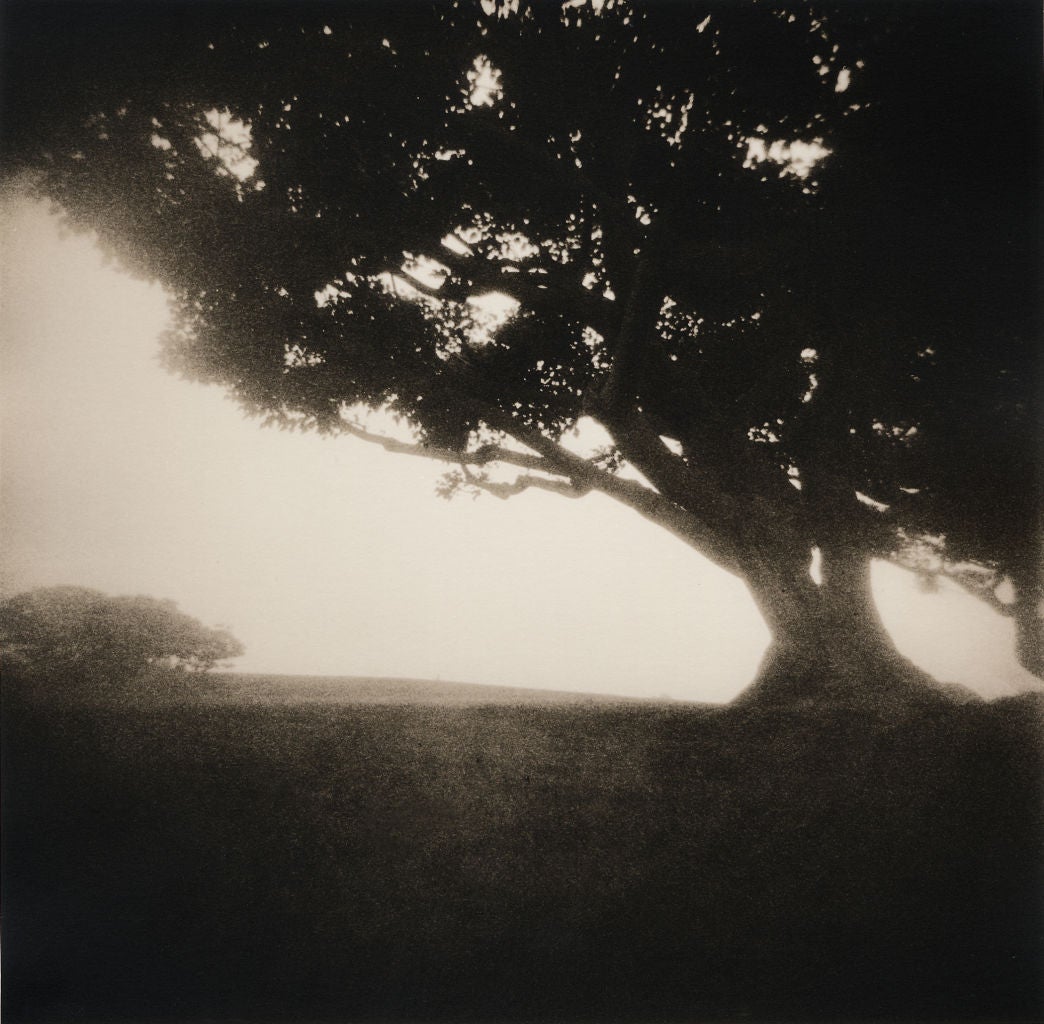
78	639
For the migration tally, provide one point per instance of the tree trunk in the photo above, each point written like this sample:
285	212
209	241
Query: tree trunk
829	645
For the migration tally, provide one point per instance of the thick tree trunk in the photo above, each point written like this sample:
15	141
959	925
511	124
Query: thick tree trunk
829	645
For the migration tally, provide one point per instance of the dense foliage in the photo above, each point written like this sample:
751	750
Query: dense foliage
69	635
783	256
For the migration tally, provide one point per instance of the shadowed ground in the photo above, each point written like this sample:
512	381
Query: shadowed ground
249	855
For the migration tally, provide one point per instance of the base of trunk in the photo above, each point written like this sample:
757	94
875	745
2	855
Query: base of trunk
843	671
830	646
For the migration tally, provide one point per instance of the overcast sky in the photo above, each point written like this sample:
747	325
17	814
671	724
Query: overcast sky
333	557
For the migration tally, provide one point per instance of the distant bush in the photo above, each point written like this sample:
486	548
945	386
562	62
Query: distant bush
74	635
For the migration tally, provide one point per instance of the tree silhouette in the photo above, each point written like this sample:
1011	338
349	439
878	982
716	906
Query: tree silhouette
77	638
783	256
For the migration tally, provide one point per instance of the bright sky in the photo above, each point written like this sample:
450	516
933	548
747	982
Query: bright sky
334	557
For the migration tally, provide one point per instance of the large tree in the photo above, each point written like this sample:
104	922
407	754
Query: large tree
784	256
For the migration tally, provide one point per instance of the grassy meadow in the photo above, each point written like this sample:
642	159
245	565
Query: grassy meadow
365	850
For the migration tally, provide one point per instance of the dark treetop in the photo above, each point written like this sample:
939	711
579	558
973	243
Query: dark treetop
785	257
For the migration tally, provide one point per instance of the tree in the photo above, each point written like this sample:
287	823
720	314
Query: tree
73	635
783	257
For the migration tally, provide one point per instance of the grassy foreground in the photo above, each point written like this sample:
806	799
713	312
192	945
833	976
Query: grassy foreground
253	856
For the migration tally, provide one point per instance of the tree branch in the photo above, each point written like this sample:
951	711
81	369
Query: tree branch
643	302
481	456
979	585
694	528
698	528
535	292
615	404
526	482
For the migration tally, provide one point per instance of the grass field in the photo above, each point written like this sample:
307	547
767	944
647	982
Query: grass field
274	849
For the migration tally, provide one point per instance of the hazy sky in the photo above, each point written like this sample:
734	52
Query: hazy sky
333	557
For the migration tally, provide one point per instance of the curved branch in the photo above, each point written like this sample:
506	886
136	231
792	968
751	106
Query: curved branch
695	528
657	508
705	521
527	481
482	456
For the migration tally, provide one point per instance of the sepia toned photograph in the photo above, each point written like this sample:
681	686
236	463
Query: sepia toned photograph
521	511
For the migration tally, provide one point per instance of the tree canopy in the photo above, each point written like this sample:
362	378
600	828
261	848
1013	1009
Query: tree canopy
71	635
785	256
